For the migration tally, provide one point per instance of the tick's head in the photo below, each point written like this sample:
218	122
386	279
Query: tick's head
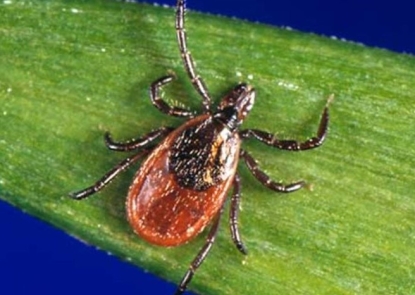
235	106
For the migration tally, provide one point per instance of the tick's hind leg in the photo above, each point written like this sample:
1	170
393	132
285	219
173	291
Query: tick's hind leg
292	145
233	216
136	143
159	103
108	177
266	180
200	256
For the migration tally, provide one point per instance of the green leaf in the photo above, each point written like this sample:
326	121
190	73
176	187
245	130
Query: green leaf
71	70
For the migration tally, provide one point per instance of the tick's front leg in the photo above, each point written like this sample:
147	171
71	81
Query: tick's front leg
292	145
189	65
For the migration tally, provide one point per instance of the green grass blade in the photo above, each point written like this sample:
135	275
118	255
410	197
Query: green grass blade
70	70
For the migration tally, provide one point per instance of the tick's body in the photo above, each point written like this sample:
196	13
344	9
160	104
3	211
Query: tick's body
188	187
182	185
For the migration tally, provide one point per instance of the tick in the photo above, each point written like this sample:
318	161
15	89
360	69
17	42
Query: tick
182	185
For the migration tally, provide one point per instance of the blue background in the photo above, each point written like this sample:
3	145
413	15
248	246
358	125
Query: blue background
36	258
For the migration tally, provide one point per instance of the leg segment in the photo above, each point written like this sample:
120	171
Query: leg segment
196	80
108	177
233	216
159	103
266	180
200	256
292	145
136	143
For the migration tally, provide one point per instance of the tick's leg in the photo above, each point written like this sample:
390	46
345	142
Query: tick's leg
200	256
110	175
292	145
233	217
265	180
136	143
196	80
159	103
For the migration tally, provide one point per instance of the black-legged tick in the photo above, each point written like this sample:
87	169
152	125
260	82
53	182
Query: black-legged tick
182	185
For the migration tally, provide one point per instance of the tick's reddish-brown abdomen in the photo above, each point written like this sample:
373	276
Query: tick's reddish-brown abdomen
165	213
